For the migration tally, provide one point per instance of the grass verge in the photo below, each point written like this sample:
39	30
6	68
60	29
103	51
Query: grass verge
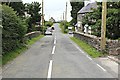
87	48
13	54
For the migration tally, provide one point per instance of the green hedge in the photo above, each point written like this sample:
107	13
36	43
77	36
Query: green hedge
48	23
64	26
14	29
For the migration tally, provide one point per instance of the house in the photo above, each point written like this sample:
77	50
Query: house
86	9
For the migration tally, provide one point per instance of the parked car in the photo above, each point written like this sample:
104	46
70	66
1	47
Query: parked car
48	31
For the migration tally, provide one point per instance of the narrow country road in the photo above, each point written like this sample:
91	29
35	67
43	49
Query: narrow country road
54	56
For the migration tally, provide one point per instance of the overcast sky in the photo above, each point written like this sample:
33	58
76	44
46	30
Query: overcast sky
54	8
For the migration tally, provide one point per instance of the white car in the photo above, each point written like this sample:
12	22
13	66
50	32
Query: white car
48	32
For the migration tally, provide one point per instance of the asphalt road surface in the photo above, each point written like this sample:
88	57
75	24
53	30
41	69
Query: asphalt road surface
54	56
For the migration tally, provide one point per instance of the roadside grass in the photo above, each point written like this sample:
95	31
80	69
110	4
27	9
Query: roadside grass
13	54
94	53
33	40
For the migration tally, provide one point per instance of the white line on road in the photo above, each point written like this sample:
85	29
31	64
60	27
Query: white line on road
53	51
50	69
78	48
54	41
101	67
89	57
55	37
8	66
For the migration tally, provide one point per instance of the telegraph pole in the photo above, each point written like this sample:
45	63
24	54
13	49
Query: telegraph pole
63	16
103	27
66	12
43	16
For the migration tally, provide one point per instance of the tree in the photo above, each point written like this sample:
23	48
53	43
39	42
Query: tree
94	20
33	10
17	6
14	29
76	6
48	23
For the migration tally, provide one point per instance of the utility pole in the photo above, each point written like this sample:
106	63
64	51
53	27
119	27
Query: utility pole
63	16
66	12
103	27
43	16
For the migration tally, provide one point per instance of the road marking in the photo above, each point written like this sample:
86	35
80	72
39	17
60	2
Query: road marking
9	65
78	48
55	37
53	51
54	41
81	51
51	62
89	57
101	67
50	69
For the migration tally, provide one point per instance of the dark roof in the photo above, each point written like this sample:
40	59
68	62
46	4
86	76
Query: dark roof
88	8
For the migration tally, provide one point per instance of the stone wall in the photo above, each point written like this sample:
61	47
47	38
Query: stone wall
32	35
112	46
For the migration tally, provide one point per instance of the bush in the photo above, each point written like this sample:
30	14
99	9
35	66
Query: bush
13	29
64	26
112	20
66	31
48	23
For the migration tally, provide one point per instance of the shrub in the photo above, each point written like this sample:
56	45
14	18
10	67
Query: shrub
13	29
48	23
64	26
112	20
66	31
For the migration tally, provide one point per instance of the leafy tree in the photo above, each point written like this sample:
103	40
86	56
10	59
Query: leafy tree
94	20
113	27
13	32
48	23
17	6
33	10
76	6
64	26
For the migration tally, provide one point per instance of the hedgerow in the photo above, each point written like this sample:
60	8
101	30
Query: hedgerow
14	29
